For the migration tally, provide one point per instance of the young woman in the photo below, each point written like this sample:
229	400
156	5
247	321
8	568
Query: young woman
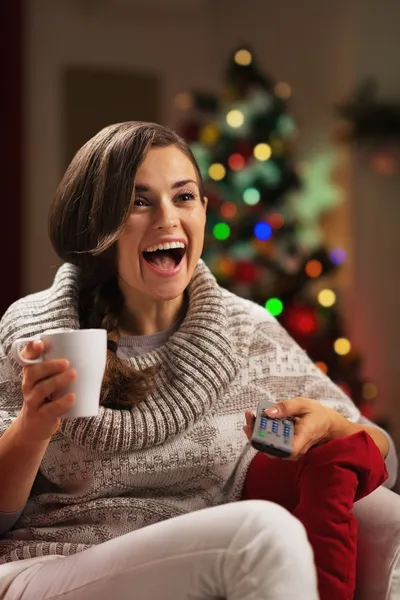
139	502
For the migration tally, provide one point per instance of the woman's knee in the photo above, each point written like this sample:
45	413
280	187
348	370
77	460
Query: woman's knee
274	520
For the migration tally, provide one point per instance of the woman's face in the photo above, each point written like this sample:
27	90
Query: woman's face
163	239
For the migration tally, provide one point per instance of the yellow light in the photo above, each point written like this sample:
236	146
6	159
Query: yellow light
184	101
342	346
327	298
283	90
217	171
235	118
370	391
262	152
243	57
209	134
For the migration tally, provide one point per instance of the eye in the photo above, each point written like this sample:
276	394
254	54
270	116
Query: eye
141	201
186	196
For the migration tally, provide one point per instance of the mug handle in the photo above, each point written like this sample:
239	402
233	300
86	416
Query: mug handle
16	351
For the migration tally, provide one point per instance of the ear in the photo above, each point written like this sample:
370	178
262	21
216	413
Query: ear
205	202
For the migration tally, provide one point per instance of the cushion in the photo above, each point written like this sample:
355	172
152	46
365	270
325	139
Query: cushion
320	490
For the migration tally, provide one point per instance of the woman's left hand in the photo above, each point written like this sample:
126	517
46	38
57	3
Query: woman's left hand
314	423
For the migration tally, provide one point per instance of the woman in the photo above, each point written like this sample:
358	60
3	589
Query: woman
115	505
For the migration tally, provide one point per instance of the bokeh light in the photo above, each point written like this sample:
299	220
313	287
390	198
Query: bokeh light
251	196
243	57
313	268
221	231
263	231
228	210
217	171
235	118
276	220
370	391
236	162
337	256
322	366
283	90
342	346
327	298
262	152
274	306
210	134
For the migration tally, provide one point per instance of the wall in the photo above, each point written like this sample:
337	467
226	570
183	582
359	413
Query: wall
76	32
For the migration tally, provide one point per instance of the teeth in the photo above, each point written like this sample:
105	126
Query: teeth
165	246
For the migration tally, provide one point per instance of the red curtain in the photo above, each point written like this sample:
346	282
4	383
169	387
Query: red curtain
12	141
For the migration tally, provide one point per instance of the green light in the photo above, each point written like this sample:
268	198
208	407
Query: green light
221	231
274	306
251	196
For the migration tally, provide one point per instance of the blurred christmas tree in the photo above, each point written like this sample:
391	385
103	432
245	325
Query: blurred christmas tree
263	238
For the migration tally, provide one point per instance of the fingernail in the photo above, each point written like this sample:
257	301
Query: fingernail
272	411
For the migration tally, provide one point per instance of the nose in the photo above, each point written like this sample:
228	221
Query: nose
166	216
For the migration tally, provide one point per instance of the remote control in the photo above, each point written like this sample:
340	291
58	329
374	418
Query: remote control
272	436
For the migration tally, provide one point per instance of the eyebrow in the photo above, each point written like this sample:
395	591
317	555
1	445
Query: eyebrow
176	185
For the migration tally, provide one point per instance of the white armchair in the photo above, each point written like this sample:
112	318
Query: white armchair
378	563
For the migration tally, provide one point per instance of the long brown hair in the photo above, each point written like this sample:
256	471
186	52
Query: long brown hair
87	216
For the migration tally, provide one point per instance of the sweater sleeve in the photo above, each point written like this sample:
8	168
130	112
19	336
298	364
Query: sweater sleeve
10	392
292	373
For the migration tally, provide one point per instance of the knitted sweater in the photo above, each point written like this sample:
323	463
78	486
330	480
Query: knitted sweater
182	449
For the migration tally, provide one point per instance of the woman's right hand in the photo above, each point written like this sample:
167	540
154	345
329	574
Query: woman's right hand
40	416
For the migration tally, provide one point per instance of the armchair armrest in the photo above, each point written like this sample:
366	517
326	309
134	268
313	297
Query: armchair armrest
378	561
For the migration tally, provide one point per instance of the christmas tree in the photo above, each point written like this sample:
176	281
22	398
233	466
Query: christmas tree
263	237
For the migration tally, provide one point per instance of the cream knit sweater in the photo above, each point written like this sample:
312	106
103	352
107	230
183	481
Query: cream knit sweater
181	450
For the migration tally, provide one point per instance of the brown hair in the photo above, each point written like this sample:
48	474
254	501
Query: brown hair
88	215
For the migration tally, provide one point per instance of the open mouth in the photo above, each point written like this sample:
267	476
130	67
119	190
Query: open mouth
165	259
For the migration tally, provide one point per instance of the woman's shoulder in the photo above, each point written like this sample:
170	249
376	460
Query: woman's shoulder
34	313
238	307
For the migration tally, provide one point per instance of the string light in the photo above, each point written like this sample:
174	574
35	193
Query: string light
313	268
251	196
228	210
337	256
274	306
370	391
217	171
283	90
221	231
236	162
342	346
262	152
243	57
322	366
327	298
209	135
235	118
263	231
184	101
276	220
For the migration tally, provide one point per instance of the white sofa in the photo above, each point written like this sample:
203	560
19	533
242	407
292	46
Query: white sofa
378	563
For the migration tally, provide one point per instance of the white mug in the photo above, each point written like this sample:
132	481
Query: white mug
86	351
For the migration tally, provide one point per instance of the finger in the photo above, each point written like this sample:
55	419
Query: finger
33	350
35	373
57	408
250	418
47	387
248	431
289	408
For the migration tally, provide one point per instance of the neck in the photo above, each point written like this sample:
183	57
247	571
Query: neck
150	316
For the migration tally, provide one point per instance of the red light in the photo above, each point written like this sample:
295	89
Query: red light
236	162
